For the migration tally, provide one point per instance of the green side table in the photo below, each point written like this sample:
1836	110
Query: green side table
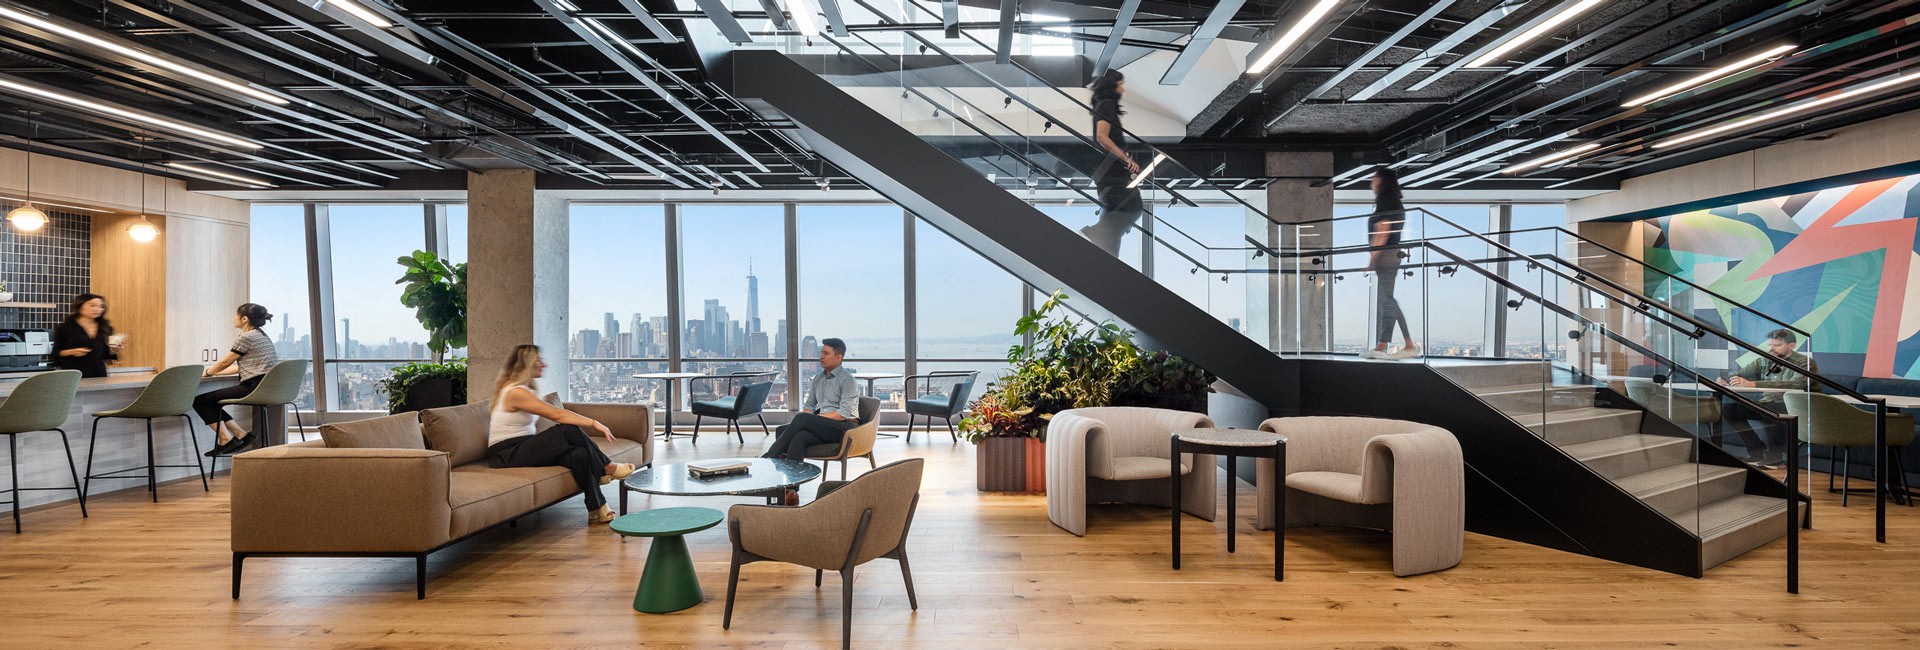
668	583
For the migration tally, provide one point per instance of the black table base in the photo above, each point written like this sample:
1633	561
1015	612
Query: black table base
1232	452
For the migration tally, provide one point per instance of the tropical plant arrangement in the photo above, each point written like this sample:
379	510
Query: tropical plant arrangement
421	385
1072	365
437	291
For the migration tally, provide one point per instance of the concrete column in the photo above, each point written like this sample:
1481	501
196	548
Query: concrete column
516	277
1298	193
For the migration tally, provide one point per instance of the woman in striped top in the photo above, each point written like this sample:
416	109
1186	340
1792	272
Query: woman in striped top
250	357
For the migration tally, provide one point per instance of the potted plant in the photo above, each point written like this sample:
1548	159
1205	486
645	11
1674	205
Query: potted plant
1071	364
422	385
437	291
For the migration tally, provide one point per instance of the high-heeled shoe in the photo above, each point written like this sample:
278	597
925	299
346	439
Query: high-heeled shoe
603	515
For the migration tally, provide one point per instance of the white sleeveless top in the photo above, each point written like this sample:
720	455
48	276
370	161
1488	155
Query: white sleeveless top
503	424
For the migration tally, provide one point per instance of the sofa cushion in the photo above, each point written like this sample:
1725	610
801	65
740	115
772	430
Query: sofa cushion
482	499
542	424
400	431
461	431
621	450
1886	386
551	483
1134	468
1340	486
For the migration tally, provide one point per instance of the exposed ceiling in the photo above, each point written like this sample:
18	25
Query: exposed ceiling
612	93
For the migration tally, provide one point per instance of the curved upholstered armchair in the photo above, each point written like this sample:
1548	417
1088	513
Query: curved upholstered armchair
1405	477
857	443
1826	420
849	524
1119	453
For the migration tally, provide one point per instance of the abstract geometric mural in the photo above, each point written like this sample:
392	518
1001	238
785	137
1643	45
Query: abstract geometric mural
1842	263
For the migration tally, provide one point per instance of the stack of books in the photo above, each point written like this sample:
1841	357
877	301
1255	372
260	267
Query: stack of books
712	469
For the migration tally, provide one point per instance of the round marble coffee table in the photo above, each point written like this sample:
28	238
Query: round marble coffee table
1233	443
766	477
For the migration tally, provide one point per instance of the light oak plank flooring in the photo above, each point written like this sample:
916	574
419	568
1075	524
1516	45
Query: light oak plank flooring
991	572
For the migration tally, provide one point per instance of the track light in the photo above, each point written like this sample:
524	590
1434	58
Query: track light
1856	91
1550	158
1710	75
220	174
1545	27
149	58
362	13
143	118
1292	36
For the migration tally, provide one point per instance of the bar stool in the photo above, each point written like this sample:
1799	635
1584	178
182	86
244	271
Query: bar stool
279	387
39	404
170	394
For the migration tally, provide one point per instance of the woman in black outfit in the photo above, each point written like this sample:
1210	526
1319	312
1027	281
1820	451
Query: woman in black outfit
1383	229
84	342
1120	206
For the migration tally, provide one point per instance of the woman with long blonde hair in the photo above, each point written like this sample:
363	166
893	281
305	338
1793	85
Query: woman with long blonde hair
512	442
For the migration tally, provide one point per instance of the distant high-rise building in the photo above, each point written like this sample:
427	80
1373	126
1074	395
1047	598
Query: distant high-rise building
639	340
753	299
623	345
692	338
780	340
659	324
611	329
346	338
586	343
757	345
809	347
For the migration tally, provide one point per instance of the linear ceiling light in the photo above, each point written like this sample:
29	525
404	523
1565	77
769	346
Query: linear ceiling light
1745	122
1710	75
1567	12
220	174
1552	157
803	17
1292	36
362	13
156	60
1147	171
116	111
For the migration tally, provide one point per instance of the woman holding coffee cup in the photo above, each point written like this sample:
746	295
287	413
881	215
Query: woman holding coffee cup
85	341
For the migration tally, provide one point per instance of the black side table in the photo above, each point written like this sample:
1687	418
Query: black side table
1233	443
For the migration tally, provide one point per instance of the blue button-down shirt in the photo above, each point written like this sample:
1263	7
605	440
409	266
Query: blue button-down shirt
834	392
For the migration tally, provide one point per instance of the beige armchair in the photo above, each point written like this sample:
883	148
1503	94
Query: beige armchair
1404	477
857	443
1119	454
847	524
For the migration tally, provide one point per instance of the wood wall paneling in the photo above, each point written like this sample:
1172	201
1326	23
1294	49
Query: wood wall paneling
133	277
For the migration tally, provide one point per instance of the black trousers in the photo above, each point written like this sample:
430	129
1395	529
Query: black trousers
806	429
1384	279
207	404
564	445
1738	417
1120	209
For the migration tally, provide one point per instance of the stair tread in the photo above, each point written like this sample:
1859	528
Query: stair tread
1620	444
1573	415
1525	388
1730	514
1672	477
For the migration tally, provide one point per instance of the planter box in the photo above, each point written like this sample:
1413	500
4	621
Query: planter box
1011	465
430	393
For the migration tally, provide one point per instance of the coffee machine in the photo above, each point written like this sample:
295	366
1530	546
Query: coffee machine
23	350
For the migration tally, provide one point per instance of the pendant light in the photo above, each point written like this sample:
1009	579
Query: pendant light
144	231
26	217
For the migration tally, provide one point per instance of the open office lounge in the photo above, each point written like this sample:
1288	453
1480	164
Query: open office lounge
786	324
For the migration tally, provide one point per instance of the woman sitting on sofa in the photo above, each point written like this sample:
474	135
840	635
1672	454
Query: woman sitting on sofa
511	441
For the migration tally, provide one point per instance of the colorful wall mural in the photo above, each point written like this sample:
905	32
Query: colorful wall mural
1841	263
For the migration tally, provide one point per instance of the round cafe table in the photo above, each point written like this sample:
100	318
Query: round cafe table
672	403
871	377
668	583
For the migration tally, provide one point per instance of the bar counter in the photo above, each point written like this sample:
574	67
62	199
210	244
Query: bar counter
121	443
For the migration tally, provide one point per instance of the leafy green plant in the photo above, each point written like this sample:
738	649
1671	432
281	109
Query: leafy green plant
405	377
1072	364
437	292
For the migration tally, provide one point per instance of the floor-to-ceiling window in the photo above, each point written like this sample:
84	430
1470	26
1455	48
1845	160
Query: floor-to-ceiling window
617	304
852	282
277	280
374	333
733	260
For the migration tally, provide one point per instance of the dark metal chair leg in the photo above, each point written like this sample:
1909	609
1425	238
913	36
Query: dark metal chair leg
1846	475
420	576
297	424
763	424
239	559
74	472
196	454
733	584
695	430
912	419
816	578
737	433
87	487
153	472
13	470
951	433
846	609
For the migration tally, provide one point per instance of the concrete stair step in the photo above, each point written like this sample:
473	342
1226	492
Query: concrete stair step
1535	398
1679	488
1622	456
1477	375
1582	425
1730	527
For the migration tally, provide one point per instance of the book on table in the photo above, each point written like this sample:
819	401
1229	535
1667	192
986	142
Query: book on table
718	468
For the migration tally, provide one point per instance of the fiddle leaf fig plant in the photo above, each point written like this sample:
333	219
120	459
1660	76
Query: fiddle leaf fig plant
437	291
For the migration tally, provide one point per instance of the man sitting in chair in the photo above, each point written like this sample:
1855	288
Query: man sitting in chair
831	408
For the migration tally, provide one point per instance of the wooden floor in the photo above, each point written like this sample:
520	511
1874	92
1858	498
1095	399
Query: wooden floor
991	572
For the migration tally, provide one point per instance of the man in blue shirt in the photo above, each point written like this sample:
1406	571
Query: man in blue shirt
831	408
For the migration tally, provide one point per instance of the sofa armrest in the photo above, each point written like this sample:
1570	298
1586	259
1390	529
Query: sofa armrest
321	500
630	421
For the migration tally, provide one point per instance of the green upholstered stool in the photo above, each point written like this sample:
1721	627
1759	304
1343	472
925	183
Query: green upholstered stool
668	583
279	387
39	404
170	394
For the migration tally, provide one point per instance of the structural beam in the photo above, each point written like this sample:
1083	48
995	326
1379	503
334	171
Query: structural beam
950	18
660	31
716	11
1009	9
1202	39
835	23
1441	48
1120	23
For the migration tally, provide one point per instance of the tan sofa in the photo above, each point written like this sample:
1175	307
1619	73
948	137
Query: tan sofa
402	486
